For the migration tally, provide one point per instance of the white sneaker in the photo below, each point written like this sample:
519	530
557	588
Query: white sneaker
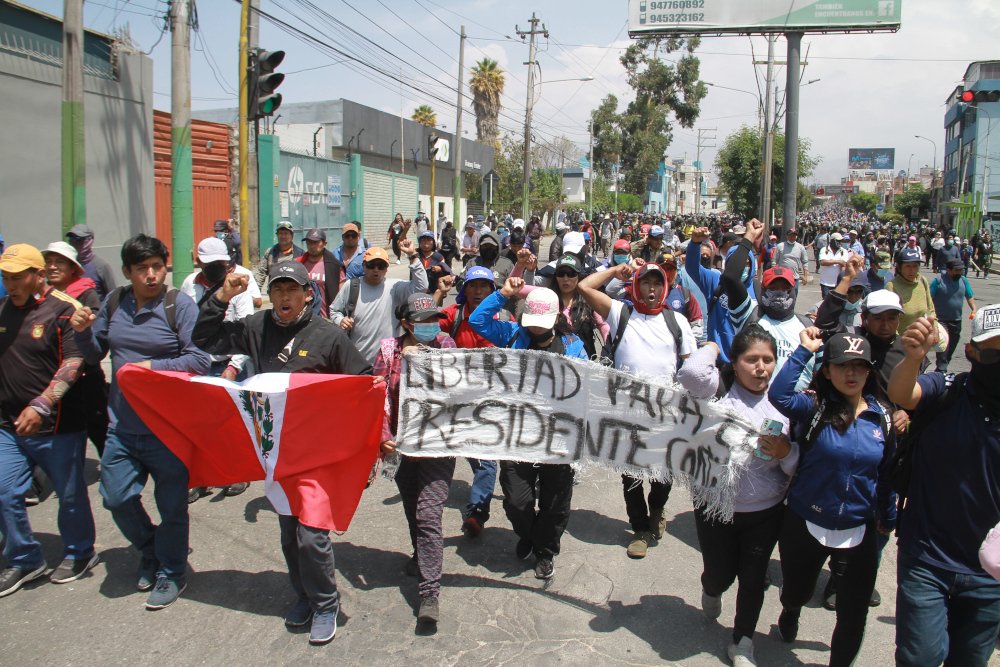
741	655
397	261
711	605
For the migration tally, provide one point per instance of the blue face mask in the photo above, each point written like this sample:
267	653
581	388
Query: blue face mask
425	332
852	307
619	259
950	242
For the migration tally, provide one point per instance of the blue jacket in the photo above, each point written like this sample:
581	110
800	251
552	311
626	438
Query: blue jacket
718	327
840	482
501	333
356	268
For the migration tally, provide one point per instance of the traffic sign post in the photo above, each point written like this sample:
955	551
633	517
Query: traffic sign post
490	180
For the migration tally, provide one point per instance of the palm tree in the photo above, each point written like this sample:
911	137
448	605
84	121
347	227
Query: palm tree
486	84
425	116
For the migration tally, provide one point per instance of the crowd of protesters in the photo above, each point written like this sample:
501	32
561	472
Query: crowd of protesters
859	438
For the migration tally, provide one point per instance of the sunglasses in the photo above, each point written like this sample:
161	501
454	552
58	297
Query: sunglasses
350	235
377	266
566	274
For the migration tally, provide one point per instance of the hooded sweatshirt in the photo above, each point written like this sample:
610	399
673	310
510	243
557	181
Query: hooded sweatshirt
720	328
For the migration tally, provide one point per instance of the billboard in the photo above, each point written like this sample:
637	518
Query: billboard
871	158
666	17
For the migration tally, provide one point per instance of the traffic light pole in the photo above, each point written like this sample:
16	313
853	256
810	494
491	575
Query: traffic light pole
244	131
251	240
768	147
74	162
526	189
181	188
457	208
791	130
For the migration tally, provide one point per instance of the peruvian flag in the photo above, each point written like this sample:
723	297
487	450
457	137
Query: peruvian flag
312	438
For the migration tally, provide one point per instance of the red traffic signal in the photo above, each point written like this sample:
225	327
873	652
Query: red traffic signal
978	96
967	96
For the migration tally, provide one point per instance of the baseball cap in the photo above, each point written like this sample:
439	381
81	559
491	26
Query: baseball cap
420	306
489	238
350	227
315	235
221	226
517	224
842	348
80	231
667	258
621	244
560	226
284	224
212	249
792	231
374	253
66	250
656	230
837	236
908	255
289	271
470	224
573	242
739	229
882	300
540	308
955	264
882	257
569	262
986	325
778	273
21	257
470	217
478	273
426	234
853	232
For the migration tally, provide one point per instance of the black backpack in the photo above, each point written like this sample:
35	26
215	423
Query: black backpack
610	349
169	304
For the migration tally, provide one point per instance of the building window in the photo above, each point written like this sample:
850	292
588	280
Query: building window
680	177
681	195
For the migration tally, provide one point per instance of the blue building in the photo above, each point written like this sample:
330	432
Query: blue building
970	154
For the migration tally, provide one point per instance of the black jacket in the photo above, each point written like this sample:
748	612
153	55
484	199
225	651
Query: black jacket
317	345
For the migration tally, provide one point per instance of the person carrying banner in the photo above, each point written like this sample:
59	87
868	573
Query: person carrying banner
541	327
289	339
652	341
840	500
423	481
742	548
148	324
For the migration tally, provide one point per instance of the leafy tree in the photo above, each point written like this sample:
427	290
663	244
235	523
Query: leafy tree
425	115
865	202
914	196
738	164
804	198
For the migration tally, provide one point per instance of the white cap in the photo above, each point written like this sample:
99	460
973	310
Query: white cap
739	228
560	226
66	250
836	236
986	325
541	309
573	242
882	300
517	224
213	250
656	230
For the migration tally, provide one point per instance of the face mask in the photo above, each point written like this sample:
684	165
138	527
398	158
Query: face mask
425	332
777	304
852	307
488	253
706	262
215	273
619	259
538	339
950	243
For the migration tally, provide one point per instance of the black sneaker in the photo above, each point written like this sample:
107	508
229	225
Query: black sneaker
788	626
12	578
523	549
195	493
875	600
236	489
165	593
71	570
545	568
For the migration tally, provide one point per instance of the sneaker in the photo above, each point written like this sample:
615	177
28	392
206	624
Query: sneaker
324	627
523	549
658	523
830	594
72	569
741	654
545	568
165	592
472	527
195	493
711	605
397	261
429	610
411	569
31	498
788	626
12	578
146	577
639	545
875	599
300	614
236	489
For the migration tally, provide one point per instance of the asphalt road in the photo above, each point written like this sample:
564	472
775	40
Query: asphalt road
601	608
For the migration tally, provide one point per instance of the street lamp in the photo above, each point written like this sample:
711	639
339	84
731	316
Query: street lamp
525	191
908	172
934	174
756	96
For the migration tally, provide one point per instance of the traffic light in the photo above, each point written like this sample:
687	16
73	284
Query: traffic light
432	146
978	96
263	82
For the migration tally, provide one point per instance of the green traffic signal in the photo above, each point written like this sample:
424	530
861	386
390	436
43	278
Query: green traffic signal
263	101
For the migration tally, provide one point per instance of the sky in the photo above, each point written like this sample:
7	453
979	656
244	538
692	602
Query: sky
870	90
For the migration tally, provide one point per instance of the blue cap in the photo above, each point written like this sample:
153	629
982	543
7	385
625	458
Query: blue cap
475	273
427	234
908	255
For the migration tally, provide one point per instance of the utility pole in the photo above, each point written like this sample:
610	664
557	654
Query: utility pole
768	147
74	157
181	189
562	168
251	240
526	189
792	129
590	185
457	208
244	131
697	183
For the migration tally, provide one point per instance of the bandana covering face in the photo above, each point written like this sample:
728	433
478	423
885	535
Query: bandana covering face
298	318
777	304
85	251
638	301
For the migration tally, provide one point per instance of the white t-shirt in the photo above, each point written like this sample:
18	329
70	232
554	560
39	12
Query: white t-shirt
786	338
647	348
828	275
253	289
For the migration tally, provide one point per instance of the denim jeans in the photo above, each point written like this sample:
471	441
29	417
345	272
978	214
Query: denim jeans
484	480
61	457
128	462
944	616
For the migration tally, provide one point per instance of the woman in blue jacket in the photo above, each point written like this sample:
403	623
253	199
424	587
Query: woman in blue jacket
540	327
839	500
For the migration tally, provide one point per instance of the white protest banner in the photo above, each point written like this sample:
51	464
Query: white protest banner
520	405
